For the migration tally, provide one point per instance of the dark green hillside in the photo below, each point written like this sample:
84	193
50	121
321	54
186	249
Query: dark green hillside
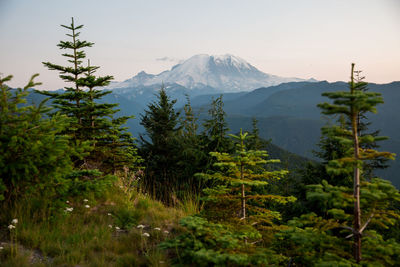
202	100
296	135
247	104
289	160
300	101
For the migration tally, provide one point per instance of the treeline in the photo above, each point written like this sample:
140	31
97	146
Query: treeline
331	213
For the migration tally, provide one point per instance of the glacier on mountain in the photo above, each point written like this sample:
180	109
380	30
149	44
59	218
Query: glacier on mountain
225	73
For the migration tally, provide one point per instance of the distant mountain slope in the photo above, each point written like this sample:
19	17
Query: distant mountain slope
224	73
292	119
297	135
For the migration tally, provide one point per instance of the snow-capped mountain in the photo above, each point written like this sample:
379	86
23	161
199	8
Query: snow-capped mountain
225	73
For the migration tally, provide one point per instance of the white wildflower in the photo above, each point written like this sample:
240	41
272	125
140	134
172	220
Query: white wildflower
67	202
166	232
109	214
14	221
85	200
117	228
1	248
11	227
140	226
110	225
146	234
69	209
87	206
157	228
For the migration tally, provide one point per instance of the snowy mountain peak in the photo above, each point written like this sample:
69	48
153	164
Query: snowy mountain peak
229	59
226	73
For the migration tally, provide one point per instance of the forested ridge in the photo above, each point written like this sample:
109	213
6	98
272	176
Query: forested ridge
77	189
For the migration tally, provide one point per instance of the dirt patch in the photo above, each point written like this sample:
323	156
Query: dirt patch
35	256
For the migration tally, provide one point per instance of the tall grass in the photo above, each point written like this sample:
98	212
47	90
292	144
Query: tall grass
103	234
190	204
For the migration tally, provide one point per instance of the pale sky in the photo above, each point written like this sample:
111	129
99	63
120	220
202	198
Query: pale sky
290	38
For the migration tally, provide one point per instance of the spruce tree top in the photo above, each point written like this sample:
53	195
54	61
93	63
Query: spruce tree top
75	56
351	104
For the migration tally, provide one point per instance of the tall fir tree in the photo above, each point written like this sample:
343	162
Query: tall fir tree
255	142
337	190
113	147
189	122
370	165
161	146
70	102
215	132
351	104
94	125
216	128
193	159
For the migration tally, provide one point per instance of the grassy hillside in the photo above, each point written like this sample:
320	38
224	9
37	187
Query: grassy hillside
122	228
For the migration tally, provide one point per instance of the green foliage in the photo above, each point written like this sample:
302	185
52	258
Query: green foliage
216	129
83	236
311	240
71	101
339	211
352	104
86	182
240	175
125	217
193	157
93	123
255	142
308	241
34	156
204	243
161	147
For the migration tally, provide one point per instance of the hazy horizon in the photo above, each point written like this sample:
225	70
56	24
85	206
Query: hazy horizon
304	39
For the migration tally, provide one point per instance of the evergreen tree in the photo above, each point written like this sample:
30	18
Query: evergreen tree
351	104
238	180
216	128
94	125
369	165
113	146
117	149
193	158
70	102
332	148
34	156
255	142
189	123
161	146
95	118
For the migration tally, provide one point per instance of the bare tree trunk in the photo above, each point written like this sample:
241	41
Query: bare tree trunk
357	208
